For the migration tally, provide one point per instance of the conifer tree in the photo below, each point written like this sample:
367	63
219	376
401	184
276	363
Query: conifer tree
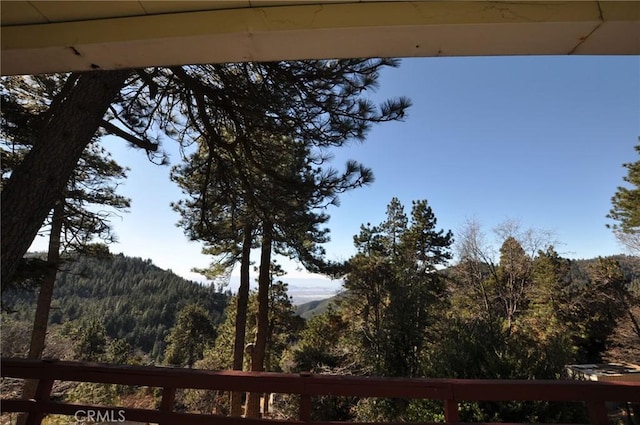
190	336
283	328
275	176
74	221
393	290
395	296
91	340
548	296
607	299
626	208
318	101
68	125
316	104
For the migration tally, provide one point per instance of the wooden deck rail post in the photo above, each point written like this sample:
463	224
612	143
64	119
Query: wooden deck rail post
43	393
166	404
597	412
451	414
305	402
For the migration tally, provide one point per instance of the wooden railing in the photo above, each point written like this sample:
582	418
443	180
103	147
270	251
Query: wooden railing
449	391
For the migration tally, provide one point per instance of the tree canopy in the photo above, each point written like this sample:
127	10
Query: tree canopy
89	198
321	102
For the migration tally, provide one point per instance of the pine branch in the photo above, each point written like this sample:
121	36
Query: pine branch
117	131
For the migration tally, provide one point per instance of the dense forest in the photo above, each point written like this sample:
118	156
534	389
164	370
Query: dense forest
131	298
406	309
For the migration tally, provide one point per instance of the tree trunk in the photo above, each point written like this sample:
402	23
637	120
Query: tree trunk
241	316
36	184
41	319
264	280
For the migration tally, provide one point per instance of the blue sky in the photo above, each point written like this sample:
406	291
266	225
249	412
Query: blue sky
536	139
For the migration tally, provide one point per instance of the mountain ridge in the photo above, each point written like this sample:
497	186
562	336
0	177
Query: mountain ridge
134	299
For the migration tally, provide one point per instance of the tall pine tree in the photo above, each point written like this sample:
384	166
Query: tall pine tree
78	216
626	208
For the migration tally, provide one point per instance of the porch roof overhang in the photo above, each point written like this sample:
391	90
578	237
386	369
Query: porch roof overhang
59	36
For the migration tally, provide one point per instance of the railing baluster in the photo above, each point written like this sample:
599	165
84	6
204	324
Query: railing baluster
451	415
305	408
43	393
166	404
597	413
305	401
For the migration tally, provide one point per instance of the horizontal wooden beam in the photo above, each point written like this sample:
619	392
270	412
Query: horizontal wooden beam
132	414
358	386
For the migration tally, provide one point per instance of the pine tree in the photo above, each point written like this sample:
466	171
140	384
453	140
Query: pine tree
74	221
91	340
283	328
395	295
393	288
603	302
91	183
318	101
626	208
190	336
548	296
237	111
68	125
274	181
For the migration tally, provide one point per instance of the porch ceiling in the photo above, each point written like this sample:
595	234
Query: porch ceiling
56	36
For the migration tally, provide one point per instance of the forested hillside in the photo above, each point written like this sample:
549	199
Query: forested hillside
313	308
630	266
133	299
525	314
511	308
